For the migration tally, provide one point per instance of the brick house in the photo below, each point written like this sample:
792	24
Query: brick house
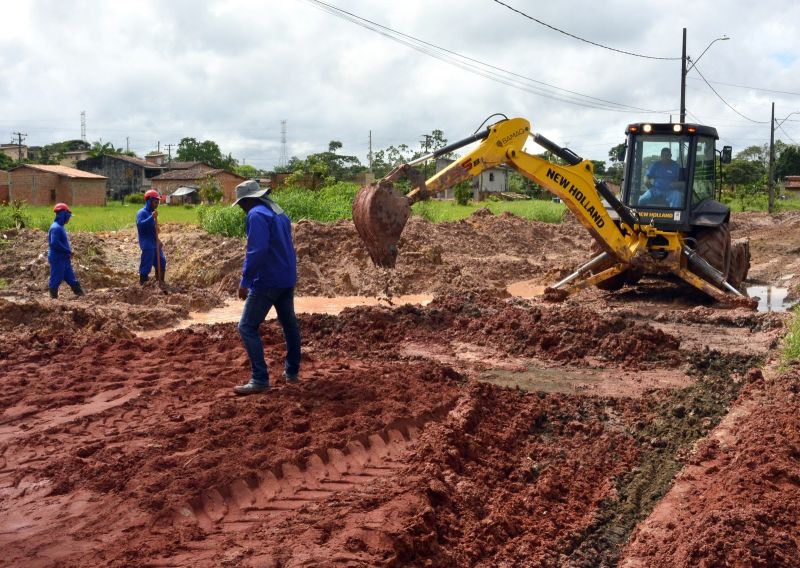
169	181
3	186
791	184
126	175
46	185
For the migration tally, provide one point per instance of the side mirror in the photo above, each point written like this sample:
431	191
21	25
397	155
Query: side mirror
621	154
726	154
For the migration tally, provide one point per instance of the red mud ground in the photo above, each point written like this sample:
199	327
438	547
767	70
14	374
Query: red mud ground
121	451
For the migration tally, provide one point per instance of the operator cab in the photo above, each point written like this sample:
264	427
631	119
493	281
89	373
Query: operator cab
670	179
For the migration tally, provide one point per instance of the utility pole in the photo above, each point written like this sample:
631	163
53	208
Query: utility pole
685	70
83	125
683	79
771	202
127	144
426	142
369	155
169	151
20	136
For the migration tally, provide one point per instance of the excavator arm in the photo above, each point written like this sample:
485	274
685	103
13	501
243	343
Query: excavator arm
380	211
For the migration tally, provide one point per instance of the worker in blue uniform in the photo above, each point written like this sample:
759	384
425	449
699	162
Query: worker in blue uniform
59	253
269	276
149	242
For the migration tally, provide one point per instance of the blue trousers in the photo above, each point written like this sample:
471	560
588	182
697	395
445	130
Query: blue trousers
256	308
61	271
148	262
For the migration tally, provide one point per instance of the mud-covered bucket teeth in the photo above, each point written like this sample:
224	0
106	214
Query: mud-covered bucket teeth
380	213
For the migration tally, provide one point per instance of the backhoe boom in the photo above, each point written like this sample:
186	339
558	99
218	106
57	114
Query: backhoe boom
380	211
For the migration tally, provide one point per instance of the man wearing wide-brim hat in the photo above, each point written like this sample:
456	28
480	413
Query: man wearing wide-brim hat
269	276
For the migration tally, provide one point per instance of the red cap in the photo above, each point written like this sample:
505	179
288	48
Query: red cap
61	207
153	194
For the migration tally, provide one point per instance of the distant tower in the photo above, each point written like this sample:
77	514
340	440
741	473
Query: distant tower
83	125
284	158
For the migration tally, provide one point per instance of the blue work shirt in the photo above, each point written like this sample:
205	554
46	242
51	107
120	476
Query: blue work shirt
57	240
270	260
146	226
663	175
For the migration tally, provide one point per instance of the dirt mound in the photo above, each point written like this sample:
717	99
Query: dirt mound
480	252
32	325
513	478
564	333
24	266
738	497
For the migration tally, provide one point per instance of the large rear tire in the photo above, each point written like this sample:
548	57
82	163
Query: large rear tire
714	245
740	262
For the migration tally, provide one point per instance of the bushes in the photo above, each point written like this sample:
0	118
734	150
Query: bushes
791	341
222	220
14	216
463	193
135	198
331	203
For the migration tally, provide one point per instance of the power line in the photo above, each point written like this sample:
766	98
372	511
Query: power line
582	39
787	134
751	88
726	102
485	70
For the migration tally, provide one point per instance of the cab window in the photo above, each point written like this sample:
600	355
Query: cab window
659	172
703	186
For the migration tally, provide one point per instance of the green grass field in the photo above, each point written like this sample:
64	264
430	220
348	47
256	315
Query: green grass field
112	217
327	205
535	210
761	203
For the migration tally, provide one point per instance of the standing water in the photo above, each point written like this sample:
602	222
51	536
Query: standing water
770	298
231	310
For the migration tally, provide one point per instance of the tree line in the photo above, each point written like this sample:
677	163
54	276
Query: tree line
747	172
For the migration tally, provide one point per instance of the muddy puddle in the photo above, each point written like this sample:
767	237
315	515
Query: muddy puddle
526	289
771	298
231	311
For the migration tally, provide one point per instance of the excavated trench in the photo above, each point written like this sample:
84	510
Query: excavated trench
475	430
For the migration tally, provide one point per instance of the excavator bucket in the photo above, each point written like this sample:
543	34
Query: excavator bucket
379	213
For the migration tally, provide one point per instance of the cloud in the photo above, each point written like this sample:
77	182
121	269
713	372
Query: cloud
231	71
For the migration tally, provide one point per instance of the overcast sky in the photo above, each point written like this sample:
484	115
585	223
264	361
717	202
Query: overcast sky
148	72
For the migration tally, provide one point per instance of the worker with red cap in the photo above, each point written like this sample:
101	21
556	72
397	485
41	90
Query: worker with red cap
59	253
147	227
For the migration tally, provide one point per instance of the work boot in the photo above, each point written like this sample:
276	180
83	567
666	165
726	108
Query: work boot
54	293
250	388
291	379
77	289
143	278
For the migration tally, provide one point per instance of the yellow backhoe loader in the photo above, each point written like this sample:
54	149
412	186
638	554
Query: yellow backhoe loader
657	226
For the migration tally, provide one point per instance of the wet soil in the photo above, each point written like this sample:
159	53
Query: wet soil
634	428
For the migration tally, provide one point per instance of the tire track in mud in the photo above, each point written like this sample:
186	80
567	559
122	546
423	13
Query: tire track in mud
288	487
